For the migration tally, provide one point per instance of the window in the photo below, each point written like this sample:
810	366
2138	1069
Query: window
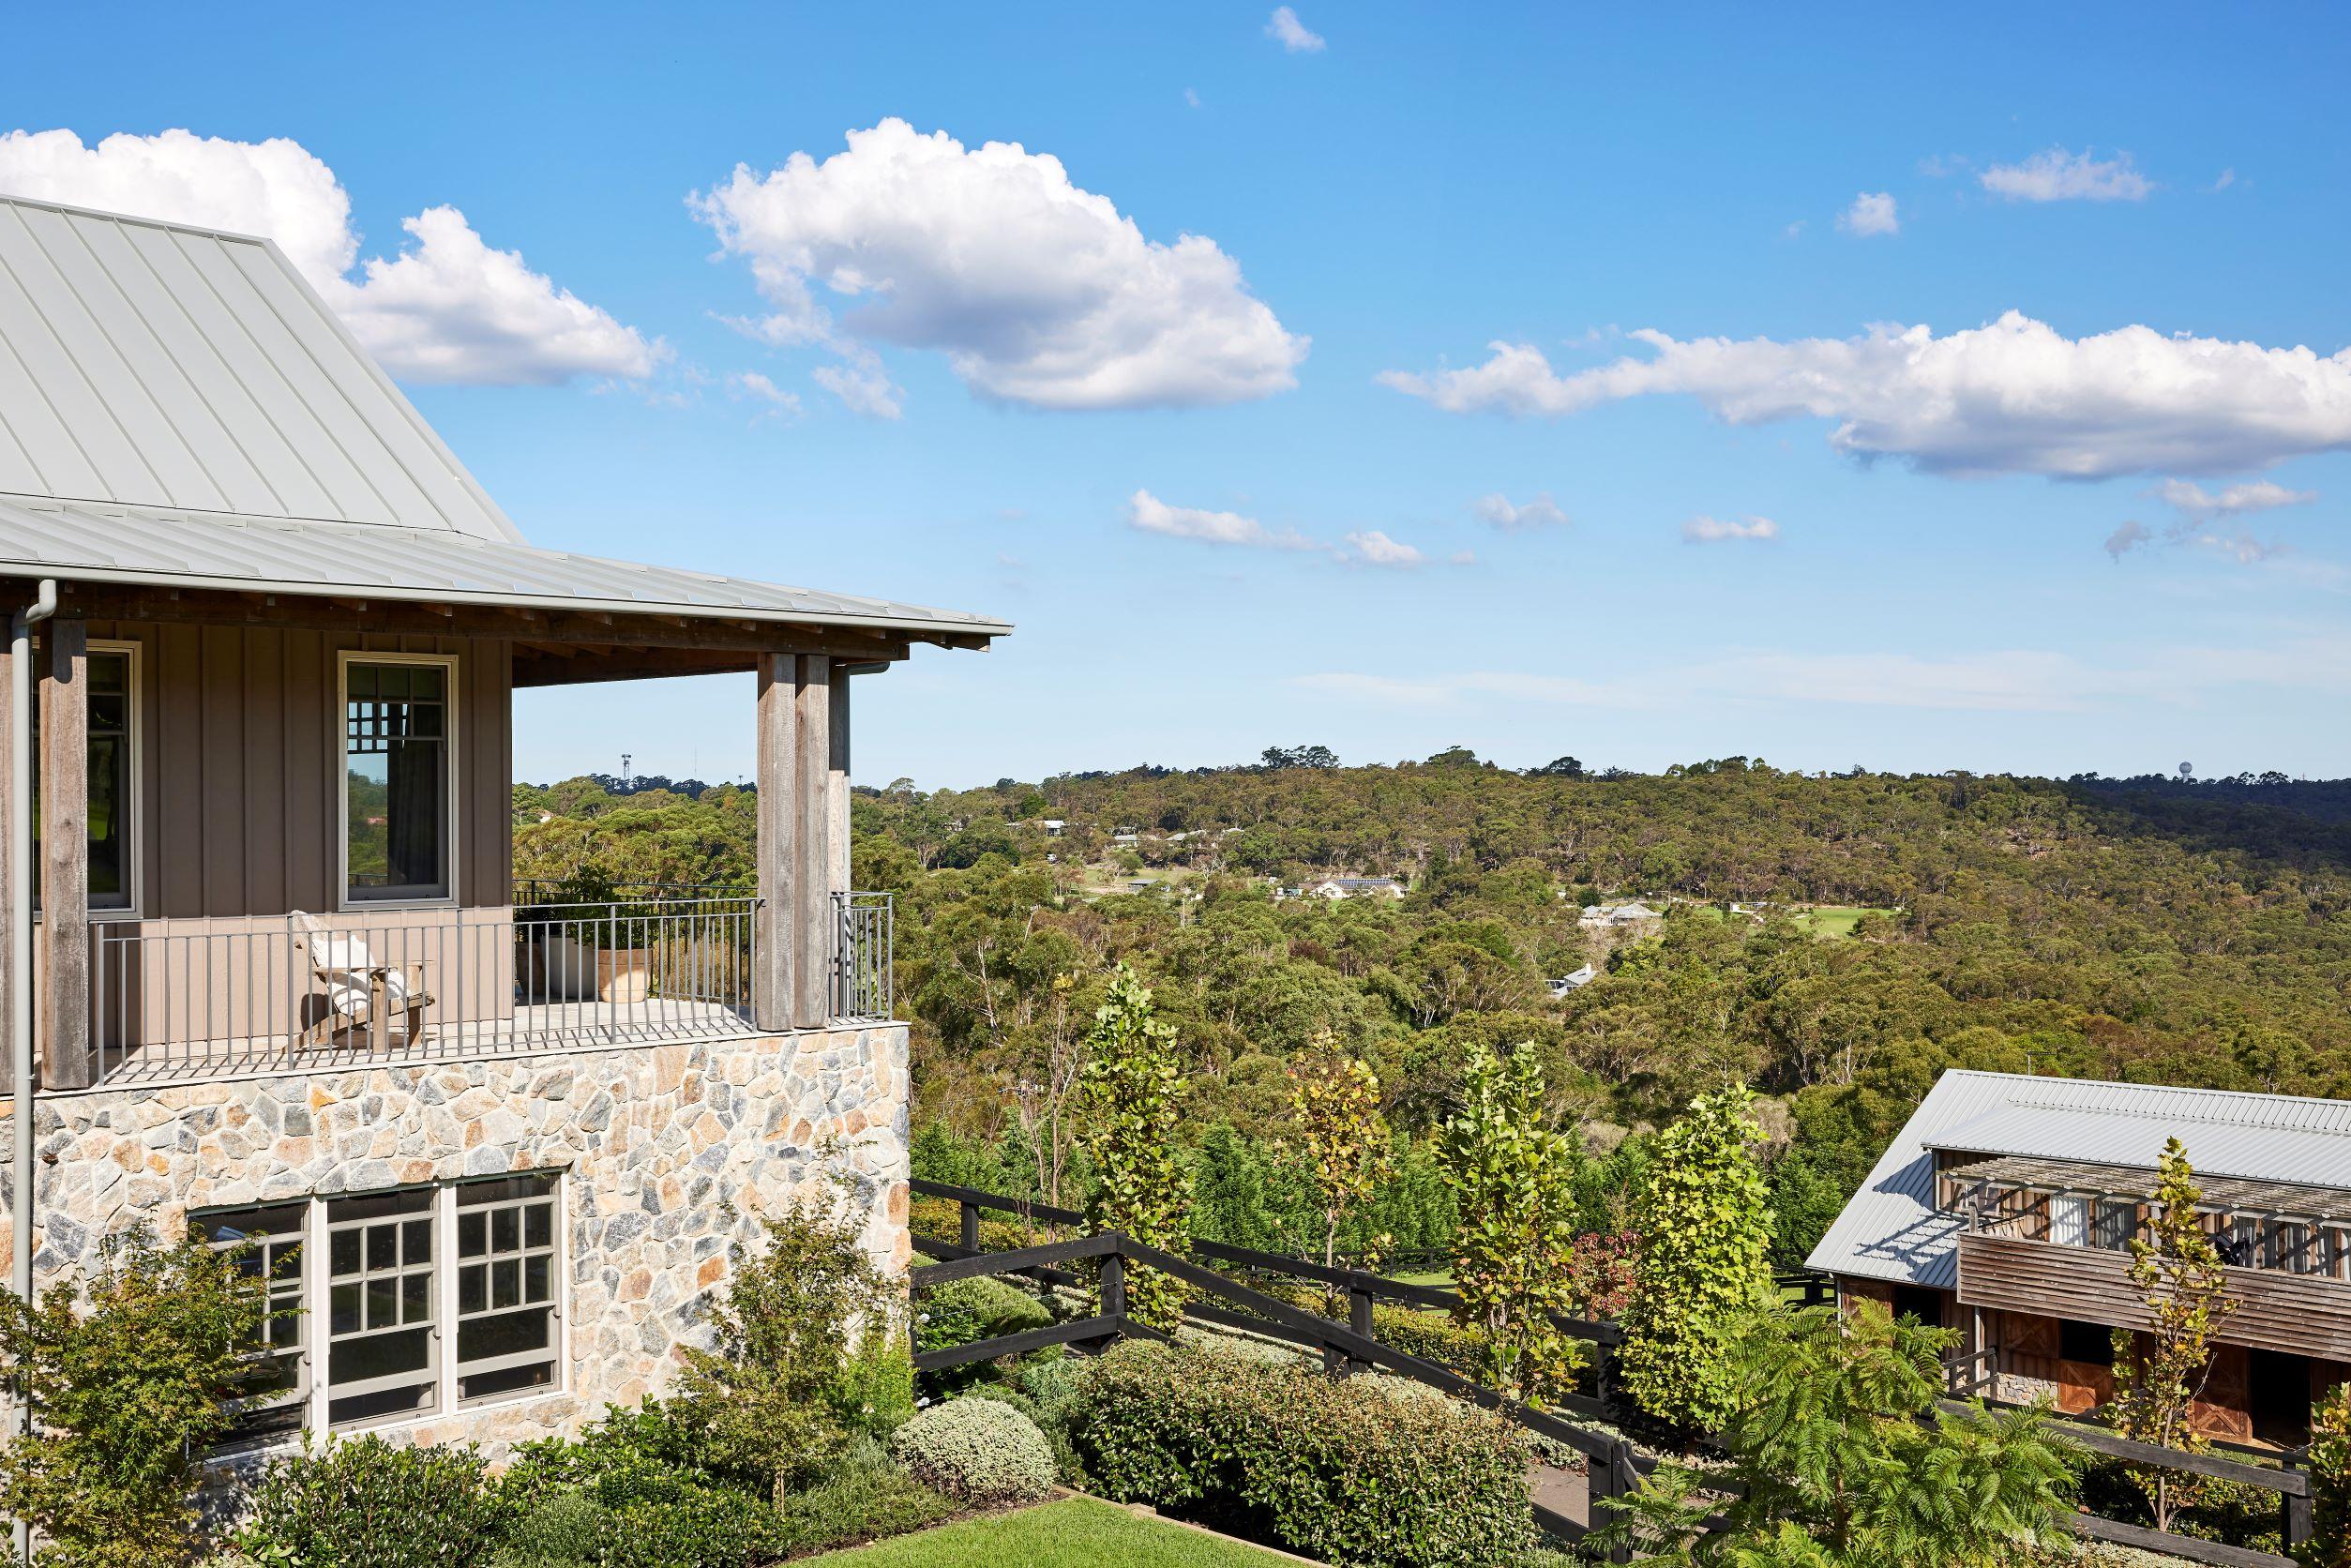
354	1330
398	786
2069	1221
1918	1303
2093	1343
112	777
2117	1222
505	1287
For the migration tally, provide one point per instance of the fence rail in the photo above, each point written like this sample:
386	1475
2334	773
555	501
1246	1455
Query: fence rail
1613	1467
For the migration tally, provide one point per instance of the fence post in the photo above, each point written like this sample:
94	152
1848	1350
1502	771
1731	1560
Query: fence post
1603	1371
1622	1478
969	1229
1359	1314
1113	1286
2298	1527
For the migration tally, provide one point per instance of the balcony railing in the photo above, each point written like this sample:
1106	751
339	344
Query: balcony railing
357	988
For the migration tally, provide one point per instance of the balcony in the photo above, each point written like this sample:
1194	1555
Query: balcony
175	1001
2052	1239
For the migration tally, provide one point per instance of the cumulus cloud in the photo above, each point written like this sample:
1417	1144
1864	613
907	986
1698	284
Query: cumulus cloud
1542	512
1152	514
2261	495
2058	175
1870	215
1038	292
2013	397
1374	548
1293	34
449	307
1704	530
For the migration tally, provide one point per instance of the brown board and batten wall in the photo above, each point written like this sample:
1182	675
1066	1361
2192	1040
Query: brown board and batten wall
240	790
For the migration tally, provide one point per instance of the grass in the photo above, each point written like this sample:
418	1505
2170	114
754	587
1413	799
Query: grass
1076	1533
1834	920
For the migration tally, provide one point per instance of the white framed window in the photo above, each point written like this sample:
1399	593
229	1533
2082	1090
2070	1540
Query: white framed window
364	1290
112	813
398	746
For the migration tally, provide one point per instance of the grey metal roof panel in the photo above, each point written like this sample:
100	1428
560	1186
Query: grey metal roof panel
1890	1229
158	364
44	537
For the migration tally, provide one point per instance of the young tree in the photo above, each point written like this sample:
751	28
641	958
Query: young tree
1841	1459
1338	1135
1513	1184
1705	1227
2180	1274
1132	1091
131	1375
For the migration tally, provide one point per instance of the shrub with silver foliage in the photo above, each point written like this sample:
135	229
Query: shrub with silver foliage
979	1450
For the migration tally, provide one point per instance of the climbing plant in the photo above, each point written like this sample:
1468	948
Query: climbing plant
1704	1226
1513	1185
1131	1090
2180	1274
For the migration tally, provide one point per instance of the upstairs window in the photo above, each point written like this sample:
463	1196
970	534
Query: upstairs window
112	779
398	785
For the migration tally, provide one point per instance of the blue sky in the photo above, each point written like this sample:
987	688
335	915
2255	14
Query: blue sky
1951	582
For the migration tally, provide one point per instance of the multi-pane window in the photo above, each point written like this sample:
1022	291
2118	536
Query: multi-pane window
396	779
363	1290
382	1351
268	1245
505	1287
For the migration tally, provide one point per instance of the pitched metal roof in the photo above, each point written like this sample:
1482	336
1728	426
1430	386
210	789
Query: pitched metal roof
156	365
179	407
1891	1230
142	545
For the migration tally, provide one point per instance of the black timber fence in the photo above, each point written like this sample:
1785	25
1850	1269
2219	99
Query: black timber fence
1613	1468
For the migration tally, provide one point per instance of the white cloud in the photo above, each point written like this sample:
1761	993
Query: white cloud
2128	537
2057	176
2014	397
860	383
1192	96
1542	512
1374	548
2227	179
448	308
751	384
2260	495
1704	530
1870	215
1152	514
1293	34
1039	293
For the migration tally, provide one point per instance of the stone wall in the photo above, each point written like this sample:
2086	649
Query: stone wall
672	1151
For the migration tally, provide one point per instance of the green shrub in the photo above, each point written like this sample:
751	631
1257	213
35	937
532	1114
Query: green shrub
964	1311
1336	1470
357	1503
564	1530
131	1371
863	1498
1430	1335
654	1506
979	1450
2331	1480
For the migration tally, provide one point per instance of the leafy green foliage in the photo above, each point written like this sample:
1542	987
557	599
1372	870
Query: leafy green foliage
1513	1183
2179	1275
1842	1460
1337	1133
1132	1091
363	1503
809	1350
1704	1224
980	1450
2330	1480
964	1311
864	1497
130	1373
650	1498
1335	1468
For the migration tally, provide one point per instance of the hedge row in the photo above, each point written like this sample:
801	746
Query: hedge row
1338	1469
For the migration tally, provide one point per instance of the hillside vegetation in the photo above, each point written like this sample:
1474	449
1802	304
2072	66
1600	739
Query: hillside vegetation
1888	927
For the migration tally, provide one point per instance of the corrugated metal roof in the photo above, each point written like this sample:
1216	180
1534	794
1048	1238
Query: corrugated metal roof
1890	1230
156	365
143	546
179	407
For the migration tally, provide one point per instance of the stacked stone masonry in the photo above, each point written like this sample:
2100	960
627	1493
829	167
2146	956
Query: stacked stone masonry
670	1153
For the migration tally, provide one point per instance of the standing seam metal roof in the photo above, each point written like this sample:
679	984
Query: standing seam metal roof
1890	1229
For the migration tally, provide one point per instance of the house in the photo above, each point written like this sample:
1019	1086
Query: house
494	1157
2005	1207
1575	981
1352	887
1052	826
1617	914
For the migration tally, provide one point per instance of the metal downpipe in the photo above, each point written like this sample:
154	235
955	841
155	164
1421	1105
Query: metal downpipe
20	974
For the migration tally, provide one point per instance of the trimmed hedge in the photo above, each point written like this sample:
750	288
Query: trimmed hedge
979	1450
964	1311
1337	1470
1430	1335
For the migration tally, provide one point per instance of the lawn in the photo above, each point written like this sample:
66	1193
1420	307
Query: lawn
1077	1534
1834	920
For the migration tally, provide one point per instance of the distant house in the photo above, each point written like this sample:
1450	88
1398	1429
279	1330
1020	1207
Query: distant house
2005	1206
1127	838
1336	888
1575	981
1617	914
1052	826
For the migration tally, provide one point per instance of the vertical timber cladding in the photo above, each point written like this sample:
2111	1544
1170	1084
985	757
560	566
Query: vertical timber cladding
797	839
64	869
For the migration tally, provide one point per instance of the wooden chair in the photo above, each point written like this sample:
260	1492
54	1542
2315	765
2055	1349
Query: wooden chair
361	994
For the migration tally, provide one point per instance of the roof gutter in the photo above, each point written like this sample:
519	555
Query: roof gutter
20	975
